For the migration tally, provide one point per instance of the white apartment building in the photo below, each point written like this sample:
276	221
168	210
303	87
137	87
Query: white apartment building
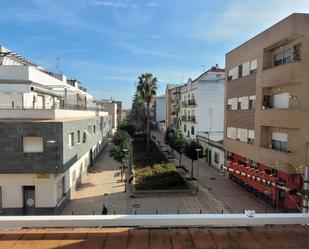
202	103
160	109
46	147
24	85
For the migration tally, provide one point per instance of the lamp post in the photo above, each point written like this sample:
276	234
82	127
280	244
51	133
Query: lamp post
198	171
122	165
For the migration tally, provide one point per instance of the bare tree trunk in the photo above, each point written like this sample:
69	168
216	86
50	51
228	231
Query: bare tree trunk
191	169
148	130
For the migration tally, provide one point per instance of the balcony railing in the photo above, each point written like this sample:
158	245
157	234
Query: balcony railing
191	102
184	103
191	118
246	219
175	101
60	106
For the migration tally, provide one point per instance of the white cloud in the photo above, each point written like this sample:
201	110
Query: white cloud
114	4
239	19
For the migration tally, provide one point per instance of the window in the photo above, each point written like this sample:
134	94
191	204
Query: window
233	73
60	189
218	75
297	52
71	139
280	141
184	128
251	136
94	129
242	135
253	66
243	103
231	132
78	136
229	104
246	68
281	100
252	102
282	58
240	71
33	144
266	101
84	137
216	157
192	130
233	102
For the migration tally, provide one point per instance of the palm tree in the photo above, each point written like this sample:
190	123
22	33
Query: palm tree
147	90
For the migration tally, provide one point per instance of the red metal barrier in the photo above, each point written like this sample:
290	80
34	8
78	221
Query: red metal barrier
277	188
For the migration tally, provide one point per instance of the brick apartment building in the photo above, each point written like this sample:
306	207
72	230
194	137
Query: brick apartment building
267	112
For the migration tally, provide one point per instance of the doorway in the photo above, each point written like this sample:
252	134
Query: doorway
0	197
91	159
29	200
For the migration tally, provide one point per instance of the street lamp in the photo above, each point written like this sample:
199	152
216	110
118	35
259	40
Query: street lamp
122	165
198	171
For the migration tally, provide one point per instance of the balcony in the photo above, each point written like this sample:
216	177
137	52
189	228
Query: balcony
189	118
191	102
184	103
282	74
175	101
48	114
29	74
289	118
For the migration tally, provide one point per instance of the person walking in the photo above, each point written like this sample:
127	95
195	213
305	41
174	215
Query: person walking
104	210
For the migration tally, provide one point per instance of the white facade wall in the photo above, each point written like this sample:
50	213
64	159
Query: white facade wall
210	106
213	151
208	91
45	189
160	109
12	190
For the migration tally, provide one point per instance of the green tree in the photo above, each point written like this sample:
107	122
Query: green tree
120	148
137	115
147	90
118	153
168	138
179	143
190	151
125	125
121	138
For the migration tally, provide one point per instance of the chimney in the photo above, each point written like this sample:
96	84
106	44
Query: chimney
216	66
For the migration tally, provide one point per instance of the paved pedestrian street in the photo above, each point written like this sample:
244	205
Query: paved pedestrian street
216	194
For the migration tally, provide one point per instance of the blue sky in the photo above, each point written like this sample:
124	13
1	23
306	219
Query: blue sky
107	44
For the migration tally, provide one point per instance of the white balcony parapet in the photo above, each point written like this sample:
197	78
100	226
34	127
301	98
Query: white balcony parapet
29	74
248	219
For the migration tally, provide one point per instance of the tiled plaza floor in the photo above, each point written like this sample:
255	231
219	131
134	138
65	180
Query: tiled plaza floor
214	196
